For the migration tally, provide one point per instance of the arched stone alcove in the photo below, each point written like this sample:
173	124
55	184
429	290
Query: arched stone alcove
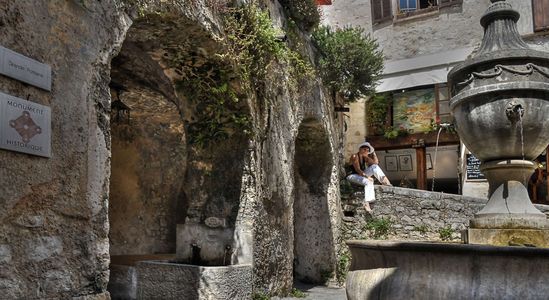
313	232
148	151
169	168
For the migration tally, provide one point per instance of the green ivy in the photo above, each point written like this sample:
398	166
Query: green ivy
350	62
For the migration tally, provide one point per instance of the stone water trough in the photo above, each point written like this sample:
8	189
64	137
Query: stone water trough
202	269
500	101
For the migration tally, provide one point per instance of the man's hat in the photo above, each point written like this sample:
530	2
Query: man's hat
366	144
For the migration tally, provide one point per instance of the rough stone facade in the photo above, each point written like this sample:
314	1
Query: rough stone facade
54	215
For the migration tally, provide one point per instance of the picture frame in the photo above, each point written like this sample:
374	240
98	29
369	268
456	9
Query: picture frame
429	161
391	163
405	162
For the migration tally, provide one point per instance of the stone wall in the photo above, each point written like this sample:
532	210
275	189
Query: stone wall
414	214
53	211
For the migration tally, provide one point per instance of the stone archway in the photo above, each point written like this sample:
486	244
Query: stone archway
313	232
174	184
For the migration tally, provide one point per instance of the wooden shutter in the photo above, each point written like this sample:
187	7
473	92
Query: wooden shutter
541	14
448	2
323	2
381	10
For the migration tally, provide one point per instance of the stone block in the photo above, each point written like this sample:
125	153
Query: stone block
508	237
163	280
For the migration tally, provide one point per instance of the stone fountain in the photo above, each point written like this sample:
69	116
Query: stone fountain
501	107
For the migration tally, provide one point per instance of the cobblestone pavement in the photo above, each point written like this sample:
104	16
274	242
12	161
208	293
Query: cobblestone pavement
318	293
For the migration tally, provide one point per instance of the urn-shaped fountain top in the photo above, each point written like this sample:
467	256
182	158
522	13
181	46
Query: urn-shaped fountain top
500	96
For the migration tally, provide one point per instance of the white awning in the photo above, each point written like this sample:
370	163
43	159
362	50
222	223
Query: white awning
421	70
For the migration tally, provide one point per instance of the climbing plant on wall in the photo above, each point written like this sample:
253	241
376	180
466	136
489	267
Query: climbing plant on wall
217	109
253	44
217	83
350	62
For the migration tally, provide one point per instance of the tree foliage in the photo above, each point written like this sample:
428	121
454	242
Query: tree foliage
305	13
350	62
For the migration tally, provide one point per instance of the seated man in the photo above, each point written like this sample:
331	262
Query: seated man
365	165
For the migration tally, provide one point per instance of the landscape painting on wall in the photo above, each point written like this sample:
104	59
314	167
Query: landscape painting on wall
414	111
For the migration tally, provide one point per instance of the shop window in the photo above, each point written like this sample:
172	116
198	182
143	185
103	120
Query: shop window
540	10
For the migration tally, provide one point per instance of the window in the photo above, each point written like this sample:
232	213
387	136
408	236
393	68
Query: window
407	5
381	10
540	9
443	104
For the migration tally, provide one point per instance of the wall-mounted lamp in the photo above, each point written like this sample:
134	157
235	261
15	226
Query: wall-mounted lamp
120	112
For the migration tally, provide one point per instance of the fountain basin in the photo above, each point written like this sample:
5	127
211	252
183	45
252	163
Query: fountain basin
419	270
168	280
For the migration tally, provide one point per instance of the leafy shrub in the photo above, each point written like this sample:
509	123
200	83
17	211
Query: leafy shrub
342	268
379	228
446	233
296	293
421	228
350	61
376	110
260	296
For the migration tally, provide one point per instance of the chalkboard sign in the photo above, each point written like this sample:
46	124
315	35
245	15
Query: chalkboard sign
473	168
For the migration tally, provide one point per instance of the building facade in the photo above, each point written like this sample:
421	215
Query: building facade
410	114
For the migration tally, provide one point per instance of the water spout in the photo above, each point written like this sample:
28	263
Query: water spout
514	112
228	255
441	126
195	256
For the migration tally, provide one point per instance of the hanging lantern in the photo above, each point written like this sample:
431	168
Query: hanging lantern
120	112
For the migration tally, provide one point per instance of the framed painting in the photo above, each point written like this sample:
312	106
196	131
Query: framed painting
405	162
391	163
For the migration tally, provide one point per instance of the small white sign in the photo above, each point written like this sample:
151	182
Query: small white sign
20	67
25	126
